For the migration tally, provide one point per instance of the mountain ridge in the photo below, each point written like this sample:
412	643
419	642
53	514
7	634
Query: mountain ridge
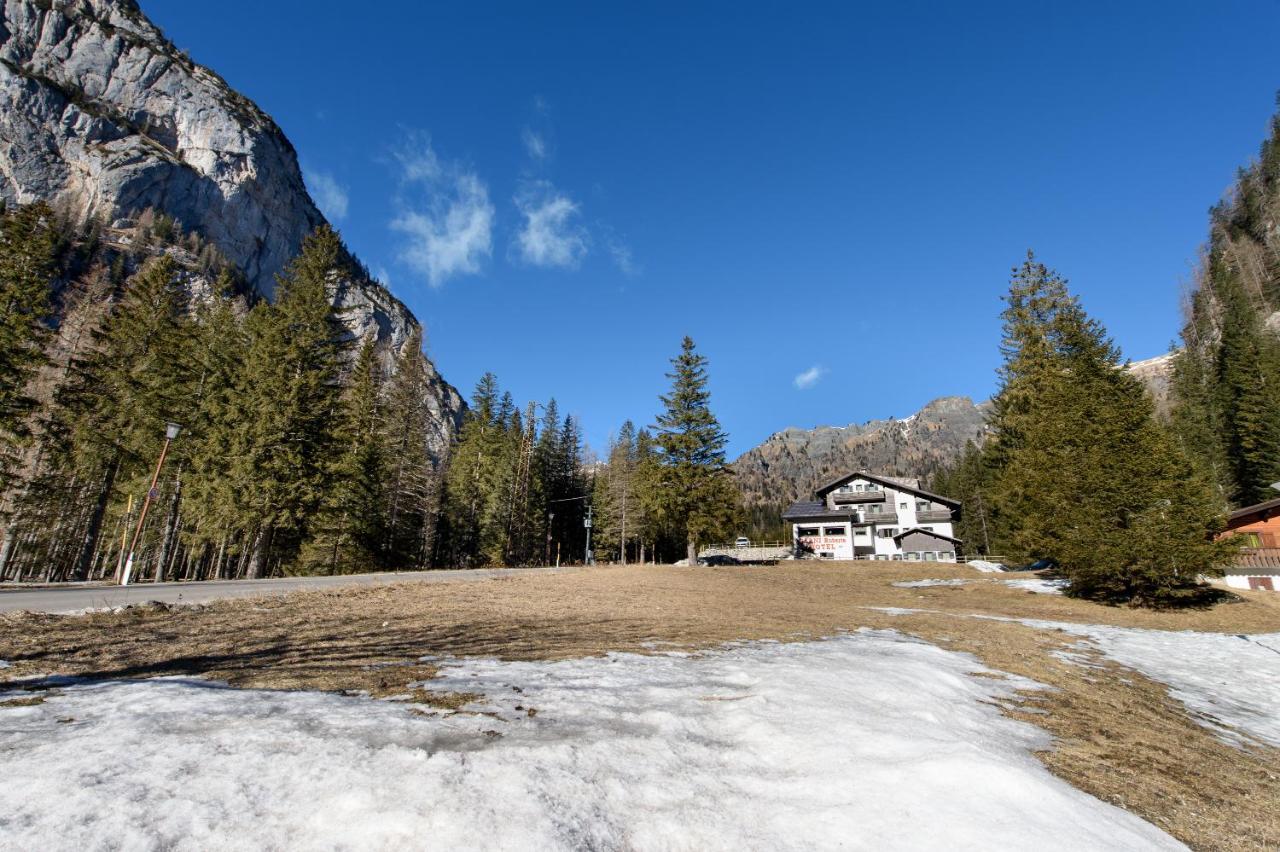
793	461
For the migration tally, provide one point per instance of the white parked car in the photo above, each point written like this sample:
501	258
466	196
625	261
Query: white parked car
742	541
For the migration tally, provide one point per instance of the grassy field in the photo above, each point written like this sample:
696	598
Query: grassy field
1119	735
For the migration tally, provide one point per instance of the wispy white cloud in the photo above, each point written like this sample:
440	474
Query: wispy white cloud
623	258
535	145
447	218
551	234
619	250
810	377
383	276
330	196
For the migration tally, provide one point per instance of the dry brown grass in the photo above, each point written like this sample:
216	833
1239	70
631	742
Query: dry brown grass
1120	736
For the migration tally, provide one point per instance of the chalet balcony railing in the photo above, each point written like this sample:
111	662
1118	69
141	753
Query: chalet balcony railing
1258	557
933	515
858	496
879	518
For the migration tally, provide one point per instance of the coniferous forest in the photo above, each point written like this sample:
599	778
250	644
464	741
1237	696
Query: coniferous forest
300	450
303	450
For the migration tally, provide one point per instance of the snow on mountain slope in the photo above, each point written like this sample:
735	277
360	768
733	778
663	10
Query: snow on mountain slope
871	740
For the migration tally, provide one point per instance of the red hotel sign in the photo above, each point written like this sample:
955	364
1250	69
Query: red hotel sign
818	542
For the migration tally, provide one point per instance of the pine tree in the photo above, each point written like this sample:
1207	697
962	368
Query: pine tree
287	402
113	410
27	268
1248	386
1084	473
614	495
221	340
695	491
412	483
471	480
347	532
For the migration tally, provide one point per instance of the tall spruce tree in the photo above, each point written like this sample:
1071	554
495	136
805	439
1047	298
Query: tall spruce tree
614	495
27	267
348	530
287	401
113	409
470	482
412	483
695	491
1084	473
218	521
1248	389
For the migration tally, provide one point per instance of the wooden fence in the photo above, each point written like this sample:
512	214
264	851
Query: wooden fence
1258	557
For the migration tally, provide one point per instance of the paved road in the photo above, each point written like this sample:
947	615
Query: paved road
74	597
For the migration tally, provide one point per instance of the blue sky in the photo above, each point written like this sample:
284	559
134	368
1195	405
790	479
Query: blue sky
828	198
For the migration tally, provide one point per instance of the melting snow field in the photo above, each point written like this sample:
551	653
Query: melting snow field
1039	586
1231	683
870	740
922	584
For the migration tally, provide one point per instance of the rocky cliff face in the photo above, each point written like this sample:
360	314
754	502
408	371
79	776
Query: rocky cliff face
103	117
791	463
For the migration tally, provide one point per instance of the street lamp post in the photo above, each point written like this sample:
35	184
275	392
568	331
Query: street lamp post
171	431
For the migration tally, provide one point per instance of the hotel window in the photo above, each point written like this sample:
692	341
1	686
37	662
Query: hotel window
903	505
833	531
807	532
890	532
913	556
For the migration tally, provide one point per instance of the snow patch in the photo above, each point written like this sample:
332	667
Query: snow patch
1229	682
984	566
1039	586
921	584
871	739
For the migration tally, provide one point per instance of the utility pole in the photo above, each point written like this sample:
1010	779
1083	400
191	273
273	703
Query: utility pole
587	523
170	432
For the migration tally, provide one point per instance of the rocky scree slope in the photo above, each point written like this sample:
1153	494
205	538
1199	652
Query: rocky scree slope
790	464
101	116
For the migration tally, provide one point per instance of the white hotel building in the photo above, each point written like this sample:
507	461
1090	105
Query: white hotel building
863	516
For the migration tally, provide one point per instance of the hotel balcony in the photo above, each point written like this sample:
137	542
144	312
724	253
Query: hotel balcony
842	497
923	515
878	518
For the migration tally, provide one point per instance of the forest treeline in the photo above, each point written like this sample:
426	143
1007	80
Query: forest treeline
1226	381
518	488
300	450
